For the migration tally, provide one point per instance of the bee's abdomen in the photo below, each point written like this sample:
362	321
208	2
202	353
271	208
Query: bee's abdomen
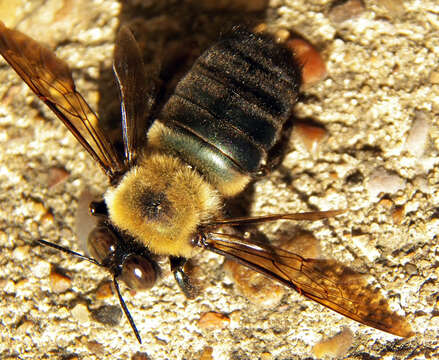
233	103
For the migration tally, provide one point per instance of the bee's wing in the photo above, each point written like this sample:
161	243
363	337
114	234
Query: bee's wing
135	92
51	80
325	281
310	216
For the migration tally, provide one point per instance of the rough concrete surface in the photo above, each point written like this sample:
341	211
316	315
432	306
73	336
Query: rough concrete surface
379	105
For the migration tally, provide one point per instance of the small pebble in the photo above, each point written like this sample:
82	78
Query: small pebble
21	284
59	282
39	117
95	348
304	244
398	214
3	236
3	284
104	290
311	136
346	10
108	314
235	318
395	8
254	286
26	327
56	176
21	253
418	135
314	67
213	320
207	353
383	182
334	175
387	203
80	313
410	269
38	208
434	77
47	218
140	356
42	269
336	346
11	93
266	356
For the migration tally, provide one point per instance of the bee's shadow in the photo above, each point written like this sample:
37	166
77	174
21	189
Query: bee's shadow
171	37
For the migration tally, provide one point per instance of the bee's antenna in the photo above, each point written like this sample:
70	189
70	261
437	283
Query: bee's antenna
116	285
68	251
126	311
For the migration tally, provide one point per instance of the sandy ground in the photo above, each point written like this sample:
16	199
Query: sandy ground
379	106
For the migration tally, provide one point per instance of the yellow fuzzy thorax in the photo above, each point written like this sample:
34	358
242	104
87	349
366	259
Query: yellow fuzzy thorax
161	202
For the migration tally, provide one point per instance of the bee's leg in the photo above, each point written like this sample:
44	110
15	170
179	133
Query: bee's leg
177	267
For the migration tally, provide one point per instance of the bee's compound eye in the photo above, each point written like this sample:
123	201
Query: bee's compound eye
98	208
101	243
138	272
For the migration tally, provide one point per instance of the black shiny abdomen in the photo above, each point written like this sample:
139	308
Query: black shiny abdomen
235	99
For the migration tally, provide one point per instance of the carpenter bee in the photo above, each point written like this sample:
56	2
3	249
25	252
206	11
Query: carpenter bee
180	162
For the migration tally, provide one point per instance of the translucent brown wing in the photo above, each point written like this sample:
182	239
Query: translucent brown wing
51	80
325	281
250	220
135	92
